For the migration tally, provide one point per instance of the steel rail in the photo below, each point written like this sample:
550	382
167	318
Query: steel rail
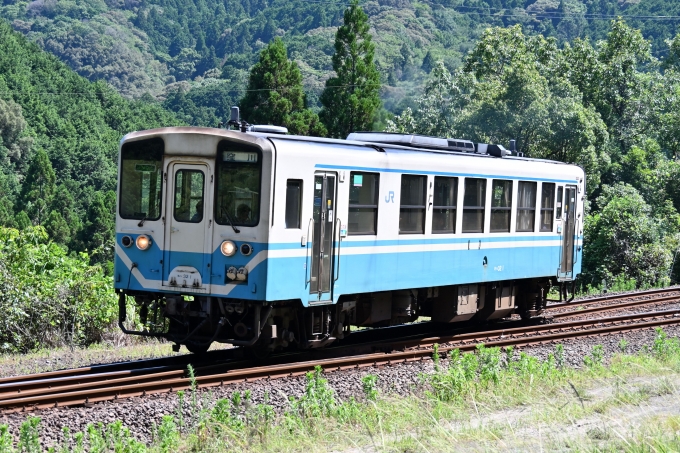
631	304
610	297
467	342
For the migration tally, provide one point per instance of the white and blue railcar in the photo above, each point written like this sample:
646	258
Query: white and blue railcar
268	240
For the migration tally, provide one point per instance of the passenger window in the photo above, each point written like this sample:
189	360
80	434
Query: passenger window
558	211
189	196
547	206
444	209
363	203
293	202
474	203
501	206
412	210
526	206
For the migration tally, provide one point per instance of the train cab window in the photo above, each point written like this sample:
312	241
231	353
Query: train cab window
558	211
547	206
293	202
474	204
237	191
412	204
526	206
501	206
189	196
141	173
444	209
363	203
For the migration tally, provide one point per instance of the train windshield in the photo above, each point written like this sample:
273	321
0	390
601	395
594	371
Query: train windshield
141	170
237	196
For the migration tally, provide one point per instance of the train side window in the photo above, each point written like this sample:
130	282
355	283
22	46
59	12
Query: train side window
501	206
547	206
412	209
444	209
363	203
526	206
558	211
293	202
189	196
474	204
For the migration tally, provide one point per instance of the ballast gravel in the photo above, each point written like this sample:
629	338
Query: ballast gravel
141	415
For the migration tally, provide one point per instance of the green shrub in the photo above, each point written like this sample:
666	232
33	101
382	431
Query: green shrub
50	298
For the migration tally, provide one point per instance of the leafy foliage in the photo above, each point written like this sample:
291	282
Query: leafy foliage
49	298
60	137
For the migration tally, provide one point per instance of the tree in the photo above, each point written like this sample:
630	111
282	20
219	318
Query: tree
351	99
38	188
624	238
275	94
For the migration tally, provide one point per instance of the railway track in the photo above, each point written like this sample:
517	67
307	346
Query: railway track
613	303
30	393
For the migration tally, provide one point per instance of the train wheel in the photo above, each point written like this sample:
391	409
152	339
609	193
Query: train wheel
197	348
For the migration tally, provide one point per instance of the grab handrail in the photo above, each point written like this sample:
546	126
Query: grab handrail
308	255
337	229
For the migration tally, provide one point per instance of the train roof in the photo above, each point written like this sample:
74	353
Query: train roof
264	138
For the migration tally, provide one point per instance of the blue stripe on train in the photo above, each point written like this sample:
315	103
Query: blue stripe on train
285	278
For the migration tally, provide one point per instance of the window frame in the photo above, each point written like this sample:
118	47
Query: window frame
551	209
121	182
453	207
364	206
474	208
422	207
521	208
218	164
299	205
495	209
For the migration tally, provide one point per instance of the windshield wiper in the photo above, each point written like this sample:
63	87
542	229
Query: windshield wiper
141	222
226	214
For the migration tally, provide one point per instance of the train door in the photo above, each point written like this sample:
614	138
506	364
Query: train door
566	271
323	233
187	248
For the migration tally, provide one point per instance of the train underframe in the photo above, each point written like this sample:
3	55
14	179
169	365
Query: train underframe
198	321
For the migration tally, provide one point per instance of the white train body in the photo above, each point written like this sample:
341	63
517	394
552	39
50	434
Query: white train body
330	233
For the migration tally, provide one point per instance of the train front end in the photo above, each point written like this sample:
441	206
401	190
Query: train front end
191	229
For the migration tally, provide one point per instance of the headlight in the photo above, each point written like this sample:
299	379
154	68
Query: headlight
143	242
228	248
126	241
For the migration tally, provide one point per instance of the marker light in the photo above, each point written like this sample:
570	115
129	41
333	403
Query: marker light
126	241
228	248
143	242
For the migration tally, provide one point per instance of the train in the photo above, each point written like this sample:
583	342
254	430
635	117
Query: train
270	241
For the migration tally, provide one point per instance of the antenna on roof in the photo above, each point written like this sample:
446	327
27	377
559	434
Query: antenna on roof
235	120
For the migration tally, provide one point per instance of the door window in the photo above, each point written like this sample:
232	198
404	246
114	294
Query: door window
189	196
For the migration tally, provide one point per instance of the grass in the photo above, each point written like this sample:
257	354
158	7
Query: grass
491	399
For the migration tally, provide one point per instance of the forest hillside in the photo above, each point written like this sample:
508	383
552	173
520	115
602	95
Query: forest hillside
59	137
195	54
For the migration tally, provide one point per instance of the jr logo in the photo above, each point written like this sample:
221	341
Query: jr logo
389	198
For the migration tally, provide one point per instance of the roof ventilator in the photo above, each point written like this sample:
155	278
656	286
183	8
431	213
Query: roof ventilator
430	143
